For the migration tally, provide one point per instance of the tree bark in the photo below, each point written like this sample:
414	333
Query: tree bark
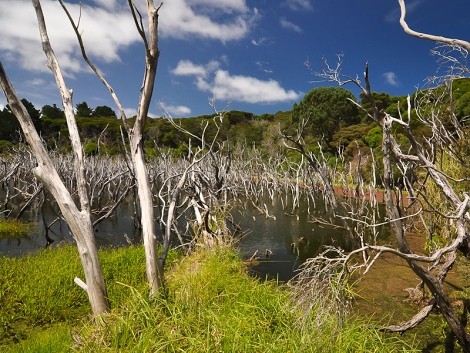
431	281
450	41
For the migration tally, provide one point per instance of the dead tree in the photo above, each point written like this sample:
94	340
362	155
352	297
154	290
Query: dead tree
323	180
140	172
426	155
204	186
77	217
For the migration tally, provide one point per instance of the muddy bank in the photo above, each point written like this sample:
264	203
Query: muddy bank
387	295
405	200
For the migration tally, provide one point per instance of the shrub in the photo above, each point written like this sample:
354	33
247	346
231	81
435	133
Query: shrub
90	148
5	146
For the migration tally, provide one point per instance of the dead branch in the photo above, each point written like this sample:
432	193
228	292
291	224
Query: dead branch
421	35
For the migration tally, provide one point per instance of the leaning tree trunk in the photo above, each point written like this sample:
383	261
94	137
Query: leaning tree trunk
431	280
78	221
77	218
435	286
150	41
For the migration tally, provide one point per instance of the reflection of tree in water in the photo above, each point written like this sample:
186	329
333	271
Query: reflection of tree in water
300	247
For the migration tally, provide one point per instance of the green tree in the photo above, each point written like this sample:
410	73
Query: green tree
327	109
52	112
103	110
237	117
83	110
351	138
33	113
374	137
462	110
8	125
383	101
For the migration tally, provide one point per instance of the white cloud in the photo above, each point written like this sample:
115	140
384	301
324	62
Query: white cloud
40	91
19	37
225	5
394	15
260	41
299	5
188	68
181	19
248	89
130	112
224	86
289	25
264	66
107	28
108	4
175	110
37	82
391	78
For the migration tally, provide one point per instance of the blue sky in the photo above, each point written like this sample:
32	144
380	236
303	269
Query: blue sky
241	54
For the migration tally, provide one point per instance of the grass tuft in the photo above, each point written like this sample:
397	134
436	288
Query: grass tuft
53	338
213	306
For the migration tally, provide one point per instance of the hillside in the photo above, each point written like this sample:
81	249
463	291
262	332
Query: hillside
332	122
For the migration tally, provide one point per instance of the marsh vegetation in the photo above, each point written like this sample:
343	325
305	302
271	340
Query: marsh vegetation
211	305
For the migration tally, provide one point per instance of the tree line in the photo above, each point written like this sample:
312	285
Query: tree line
333	121
46	120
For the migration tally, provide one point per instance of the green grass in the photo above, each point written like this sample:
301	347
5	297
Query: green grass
213	306
10	228
38	289
54	338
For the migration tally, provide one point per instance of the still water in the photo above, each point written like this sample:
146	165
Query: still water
287	237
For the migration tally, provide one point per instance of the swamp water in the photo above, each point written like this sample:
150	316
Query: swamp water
277	243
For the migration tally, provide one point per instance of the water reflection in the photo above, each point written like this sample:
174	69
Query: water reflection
118	230
292	237
289	237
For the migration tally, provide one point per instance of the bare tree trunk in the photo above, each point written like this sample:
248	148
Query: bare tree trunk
79	221
430	279
154	278
417	156
78	218
144	190
457	327
450	41
390	206
137	145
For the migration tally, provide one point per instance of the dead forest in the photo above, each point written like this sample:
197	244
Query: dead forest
410	183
